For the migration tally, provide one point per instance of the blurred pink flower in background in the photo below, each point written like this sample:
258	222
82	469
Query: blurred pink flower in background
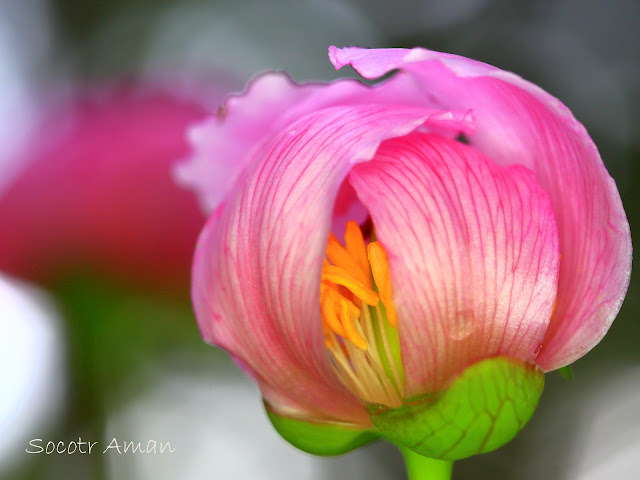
516	244
97	192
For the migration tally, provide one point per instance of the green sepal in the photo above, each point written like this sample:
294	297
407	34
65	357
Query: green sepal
482	409
321	438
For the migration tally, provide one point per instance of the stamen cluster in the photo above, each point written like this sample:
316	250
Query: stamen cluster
359	319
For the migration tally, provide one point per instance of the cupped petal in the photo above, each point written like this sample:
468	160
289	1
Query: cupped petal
221	145
517	122
256	278
473	254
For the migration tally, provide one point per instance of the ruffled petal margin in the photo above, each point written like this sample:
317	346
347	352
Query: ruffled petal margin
222	144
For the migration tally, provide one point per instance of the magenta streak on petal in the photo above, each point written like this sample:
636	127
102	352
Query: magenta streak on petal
257	267
473	252
517	122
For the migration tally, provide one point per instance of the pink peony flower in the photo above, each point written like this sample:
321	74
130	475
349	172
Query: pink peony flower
478	221
97	190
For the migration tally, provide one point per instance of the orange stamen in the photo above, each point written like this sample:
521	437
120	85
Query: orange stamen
380	270
354	242
340	276
347	317
340	257
328	339
329	310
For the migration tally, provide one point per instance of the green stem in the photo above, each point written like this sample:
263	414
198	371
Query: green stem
425	468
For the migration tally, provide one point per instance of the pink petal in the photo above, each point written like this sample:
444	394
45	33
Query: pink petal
257	268
222	144
473	254
517	122
97	192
